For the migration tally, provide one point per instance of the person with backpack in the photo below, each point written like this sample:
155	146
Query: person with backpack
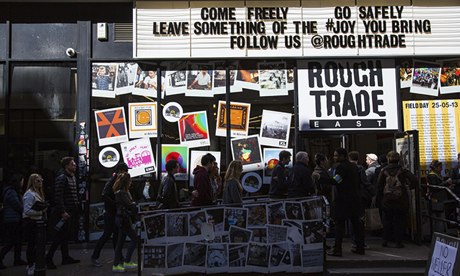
167	194
109	215
393	187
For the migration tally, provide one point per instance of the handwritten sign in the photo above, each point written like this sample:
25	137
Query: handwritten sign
444	251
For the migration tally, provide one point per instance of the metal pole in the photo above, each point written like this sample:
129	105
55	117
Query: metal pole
296	111
139	248
227	114
40	246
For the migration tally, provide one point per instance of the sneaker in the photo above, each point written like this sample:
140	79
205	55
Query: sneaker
96	262
130	265
30	270
118	269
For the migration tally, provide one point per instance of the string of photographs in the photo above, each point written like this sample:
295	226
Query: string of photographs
259	237
192	79
430	78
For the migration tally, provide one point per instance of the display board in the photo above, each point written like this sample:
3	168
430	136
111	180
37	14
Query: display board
443	257
257	237
438	123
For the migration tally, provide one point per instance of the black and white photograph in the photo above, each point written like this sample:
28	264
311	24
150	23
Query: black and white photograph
280	257
196	219
237	254
195	257
276	233
239	235
296	257
177	226
217	258
176	78
155	257
220	78
175	257
294	232
236	217
199	80
125	78
257	214
215	216
103	79
276	213
146	83
313	231
275	128
312	208
293	210
273	79
155	227
425	78
259	234
258	257
312	258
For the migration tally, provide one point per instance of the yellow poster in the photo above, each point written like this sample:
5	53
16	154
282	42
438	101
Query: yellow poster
438	123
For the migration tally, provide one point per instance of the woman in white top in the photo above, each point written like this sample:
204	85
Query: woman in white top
31	215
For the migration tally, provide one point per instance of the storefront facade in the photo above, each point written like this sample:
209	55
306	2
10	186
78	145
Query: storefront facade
307	75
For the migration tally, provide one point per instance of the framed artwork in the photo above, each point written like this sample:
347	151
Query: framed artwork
138	155
142	120
178	153
247	150
103	79
275	128
193	129
111	126
239	119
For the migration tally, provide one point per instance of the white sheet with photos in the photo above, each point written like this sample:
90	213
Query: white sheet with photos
175	242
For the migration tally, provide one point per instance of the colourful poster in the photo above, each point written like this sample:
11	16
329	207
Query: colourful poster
111	126
239	119
271	158
176	152
193	129
142	120
248	151
138	155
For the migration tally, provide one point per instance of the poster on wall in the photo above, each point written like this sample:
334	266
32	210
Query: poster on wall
248	79
275	128
257	214
217	258
450	77
220	78
193	129
174	257
239	119
195	160
438	123
138	155
258	257
155	227
142	120
247	150
146	83
405	73
176	78
177	227
271	159
199	80
103	80
251	182
280	257
172	112
178	153
109	157
111	126
334	97
273	79
195	257
237	254
406	149
155	257
125	79
425	79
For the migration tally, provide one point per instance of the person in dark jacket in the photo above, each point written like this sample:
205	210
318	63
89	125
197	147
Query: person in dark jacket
65	211
232	186
346	204
109	215
455	176
202	195
278	183
394	209
321	178
126	212
168	195
12	218
300	183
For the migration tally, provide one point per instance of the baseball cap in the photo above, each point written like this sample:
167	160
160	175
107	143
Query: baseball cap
122	167
372	156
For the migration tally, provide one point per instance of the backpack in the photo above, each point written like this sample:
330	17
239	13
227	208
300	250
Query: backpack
393	189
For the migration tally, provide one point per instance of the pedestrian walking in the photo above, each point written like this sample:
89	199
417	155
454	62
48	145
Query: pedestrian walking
232	186
168	195
202	195
278	182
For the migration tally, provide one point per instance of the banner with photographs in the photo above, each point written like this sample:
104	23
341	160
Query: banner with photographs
450	77
271	159
239	119
142	120
243	241
193	129
275	128
103	79
195	160
138	155
178	153
425	79
248	151
111	126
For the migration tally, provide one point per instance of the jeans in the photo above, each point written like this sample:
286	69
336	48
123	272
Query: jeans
393	224
109	229
30	227
358	230
13	238
124	229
